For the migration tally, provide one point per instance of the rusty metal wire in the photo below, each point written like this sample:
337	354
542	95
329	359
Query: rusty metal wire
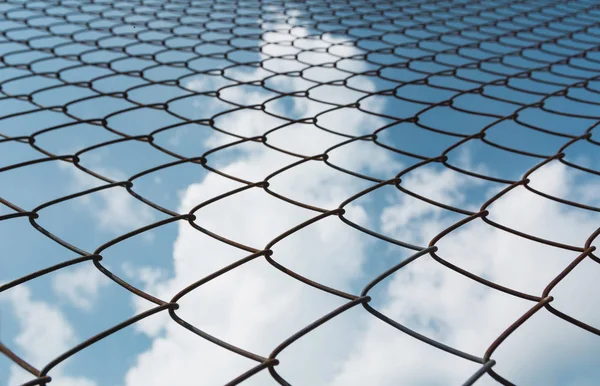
484	37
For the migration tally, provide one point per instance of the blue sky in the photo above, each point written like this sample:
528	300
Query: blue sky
79	302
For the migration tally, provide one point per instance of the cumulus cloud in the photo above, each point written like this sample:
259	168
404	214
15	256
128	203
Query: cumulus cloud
441	304
424	296
114	209
256	307
80	286
44	334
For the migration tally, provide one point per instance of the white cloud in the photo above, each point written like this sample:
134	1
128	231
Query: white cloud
256	307
80	286
114	209
409	217
441	304
44	334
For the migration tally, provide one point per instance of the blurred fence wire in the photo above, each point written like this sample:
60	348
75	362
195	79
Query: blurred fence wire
532	50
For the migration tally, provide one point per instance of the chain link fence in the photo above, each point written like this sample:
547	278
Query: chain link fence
519	55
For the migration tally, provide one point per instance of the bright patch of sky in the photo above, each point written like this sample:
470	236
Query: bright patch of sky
255	306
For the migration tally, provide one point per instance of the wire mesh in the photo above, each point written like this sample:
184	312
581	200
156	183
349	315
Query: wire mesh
532	50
